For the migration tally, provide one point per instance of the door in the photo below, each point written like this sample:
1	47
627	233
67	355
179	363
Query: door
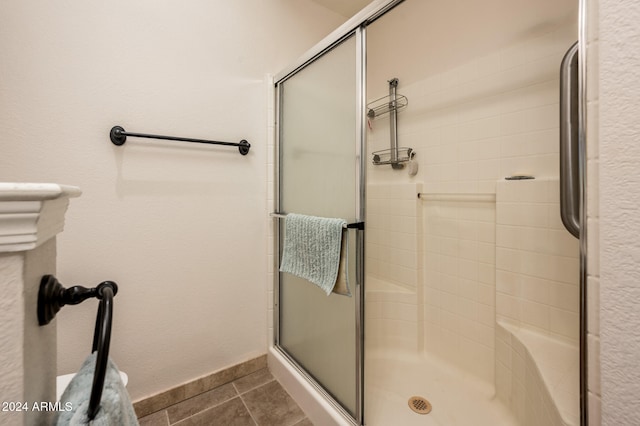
319	174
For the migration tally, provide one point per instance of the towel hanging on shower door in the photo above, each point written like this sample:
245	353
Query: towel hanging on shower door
312	250
342	282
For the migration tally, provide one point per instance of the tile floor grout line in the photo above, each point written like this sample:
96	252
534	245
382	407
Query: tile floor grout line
248	411
300	421
235	388
175	423
195	414
254	388
287	393
238	394
202	410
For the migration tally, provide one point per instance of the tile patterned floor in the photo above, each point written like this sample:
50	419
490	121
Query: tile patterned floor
256	399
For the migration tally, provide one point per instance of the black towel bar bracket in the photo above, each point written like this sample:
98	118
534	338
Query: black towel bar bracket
118	137
52	296
356	225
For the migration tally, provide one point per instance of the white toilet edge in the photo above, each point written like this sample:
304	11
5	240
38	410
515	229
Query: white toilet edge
63	381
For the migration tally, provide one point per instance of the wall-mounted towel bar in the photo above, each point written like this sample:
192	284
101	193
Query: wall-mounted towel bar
353	225
52	296
118	137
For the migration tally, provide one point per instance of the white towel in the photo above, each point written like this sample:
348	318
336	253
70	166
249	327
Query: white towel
312	249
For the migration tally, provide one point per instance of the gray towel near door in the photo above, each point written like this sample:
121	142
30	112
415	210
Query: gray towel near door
312	249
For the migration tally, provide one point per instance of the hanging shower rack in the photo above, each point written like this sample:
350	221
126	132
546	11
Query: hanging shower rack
402	154
384	105
390	104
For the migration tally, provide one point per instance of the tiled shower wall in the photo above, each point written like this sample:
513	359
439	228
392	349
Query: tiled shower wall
537	304
537	264
459	284
394	267
494	116
393	253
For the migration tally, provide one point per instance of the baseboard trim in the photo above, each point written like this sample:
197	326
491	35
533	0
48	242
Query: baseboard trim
162	400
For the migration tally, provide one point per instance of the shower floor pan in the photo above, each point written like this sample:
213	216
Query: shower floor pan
457	399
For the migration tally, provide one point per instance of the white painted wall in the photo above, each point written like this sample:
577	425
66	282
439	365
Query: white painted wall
619	219
26	347
180	227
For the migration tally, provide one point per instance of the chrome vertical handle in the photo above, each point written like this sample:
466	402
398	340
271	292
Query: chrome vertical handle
569	143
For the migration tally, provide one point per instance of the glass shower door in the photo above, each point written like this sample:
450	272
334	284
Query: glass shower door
319	155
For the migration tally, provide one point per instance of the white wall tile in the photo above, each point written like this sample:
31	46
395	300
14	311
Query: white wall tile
564	296
487	315
536	261
595	410
492	117
535	314
536	289
539	391
593	343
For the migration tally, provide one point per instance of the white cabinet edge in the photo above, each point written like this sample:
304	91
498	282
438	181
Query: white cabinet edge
32	213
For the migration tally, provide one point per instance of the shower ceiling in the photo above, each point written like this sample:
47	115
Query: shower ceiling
419	53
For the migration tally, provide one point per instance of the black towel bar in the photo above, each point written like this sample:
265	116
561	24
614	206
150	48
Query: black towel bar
352	225
118	137
52	296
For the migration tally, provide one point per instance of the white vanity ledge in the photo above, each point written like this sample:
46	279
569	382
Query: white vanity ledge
32	213
36	191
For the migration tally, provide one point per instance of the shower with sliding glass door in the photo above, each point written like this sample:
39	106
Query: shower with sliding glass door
433	128
320	174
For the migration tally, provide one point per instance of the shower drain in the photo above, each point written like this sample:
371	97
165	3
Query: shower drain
420	405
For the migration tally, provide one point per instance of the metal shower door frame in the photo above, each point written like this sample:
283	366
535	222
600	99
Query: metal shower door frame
359	141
